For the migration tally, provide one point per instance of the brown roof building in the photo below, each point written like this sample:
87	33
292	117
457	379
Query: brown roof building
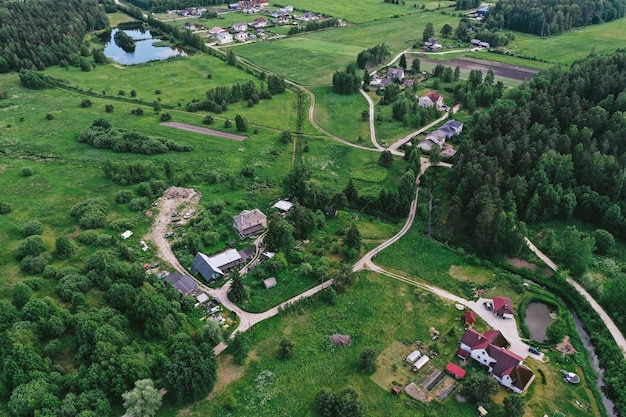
250	222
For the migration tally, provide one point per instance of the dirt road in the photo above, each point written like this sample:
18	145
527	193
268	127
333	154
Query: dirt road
204	131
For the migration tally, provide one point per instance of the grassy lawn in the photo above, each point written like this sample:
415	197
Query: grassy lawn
576	44
341	115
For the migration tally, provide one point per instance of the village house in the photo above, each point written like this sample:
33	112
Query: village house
224	37
438	137
241	36
503	307
217	266
432	45
259	22
240	27
395	73
250	222
431	99
308	17
490	349
215	30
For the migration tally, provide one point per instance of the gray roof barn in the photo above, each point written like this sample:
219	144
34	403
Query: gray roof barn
184	284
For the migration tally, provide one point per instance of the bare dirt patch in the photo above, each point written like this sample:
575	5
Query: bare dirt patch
174	199
502	70
204	131
521	264
566	347
227	372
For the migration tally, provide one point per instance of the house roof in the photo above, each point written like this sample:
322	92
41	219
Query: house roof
202	297
455	370
224	258
182	283
503	305
395	73
462	353
523	376
247	253
433	95
470	317
455	124
476	340
506	361
283	205
248	218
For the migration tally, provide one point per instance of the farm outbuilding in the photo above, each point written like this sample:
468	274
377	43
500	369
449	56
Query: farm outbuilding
413	356
455	370
421	362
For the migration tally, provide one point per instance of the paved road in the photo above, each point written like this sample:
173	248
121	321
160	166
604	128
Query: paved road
608	322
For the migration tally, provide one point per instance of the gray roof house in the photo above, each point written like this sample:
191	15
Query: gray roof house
216	266
250	222
184	284
395	73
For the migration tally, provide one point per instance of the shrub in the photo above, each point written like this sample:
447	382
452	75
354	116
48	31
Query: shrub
34	264
5	208
208	120
104	240
123	196
87	237
139	204
27	172
31	246
32	227
108	108
49	116
92	220
138	111
85	103
166	117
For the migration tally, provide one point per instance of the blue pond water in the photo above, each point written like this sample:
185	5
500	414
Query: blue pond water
144	49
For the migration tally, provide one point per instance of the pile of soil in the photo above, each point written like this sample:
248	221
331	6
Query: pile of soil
342	340
178	192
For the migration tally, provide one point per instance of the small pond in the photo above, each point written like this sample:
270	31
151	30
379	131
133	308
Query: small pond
144	48
538	317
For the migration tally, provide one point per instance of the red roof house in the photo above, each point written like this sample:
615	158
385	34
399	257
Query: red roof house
470	318
455	370
503	307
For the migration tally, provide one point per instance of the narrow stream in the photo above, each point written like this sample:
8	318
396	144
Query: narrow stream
595	363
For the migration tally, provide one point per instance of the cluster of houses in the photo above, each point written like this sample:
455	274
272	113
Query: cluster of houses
393	75
249	7
189	12
438	137
480	44
431	45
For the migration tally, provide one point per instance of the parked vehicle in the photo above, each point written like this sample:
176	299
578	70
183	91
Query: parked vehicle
535	350
169	234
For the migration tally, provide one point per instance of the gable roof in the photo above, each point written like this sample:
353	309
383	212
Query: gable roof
503	305
455	124
506	361
248	218
476	340
434	96
470	317
182	283
455	370
523	376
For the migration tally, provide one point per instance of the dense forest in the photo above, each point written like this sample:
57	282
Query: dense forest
550	17
555	148
40	33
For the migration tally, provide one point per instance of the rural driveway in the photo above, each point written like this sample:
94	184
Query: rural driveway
608	322
204	131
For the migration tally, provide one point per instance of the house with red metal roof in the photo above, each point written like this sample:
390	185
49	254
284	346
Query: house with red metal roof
490	349
503	307
470	318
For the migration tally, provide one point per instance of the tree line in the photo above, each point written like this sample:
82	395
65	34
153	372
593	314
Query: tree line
218	98
545	18
160	6
313	26
103	136
38	34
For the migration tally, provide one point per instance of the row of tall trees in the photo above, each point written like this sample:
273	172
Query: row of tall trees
38	34
545	18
